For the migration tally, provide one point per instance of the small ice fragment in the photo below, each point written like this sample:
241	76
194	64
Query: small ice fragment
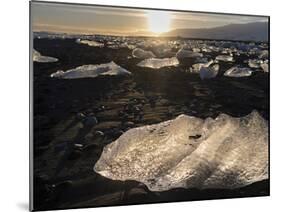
238	72
197	66
37	57
183	53
157	63
253	63
225	58
196	50
90	43
264	67
263	54
208	72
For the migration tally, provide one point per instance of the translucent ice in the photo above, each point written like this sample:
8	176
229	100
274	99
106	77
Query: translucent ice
90	43
37	57
238	72
157	63
183	53
258	63
264	54
142	54
196	50
90	71
208	72
225	58
197	66
264	67
253	63
190	152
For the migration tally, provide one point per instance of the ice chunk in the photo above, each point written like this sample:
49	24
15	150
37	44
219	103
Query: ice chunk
206	49
157	63
225	58
264	54
264	67
238	72
208	72
253	63
142	54
196	50
37	57
90	71
258	63
197	66
189	152
130	46
90	43
183	53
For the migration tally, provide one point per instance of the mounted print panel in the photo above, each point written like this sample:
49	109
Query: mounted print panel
135	105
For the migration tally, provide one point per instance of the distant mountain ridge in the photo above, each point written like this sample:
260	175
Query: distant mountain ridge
257	31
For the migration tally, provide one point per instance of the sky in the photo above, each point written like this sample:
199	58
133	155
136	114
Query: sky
80	19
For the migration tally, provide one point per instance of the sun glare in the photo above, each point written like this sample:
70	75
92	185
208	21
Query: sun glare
158	21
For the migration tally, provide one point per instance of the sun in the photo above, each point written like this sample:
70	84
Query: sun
158	21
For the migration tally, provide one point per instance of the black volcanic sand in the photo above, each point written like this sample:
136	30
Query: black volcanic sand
63	174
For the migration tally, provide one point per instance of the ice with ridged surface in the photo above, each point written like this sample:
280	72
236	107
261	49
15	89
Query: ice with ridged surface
91	71
189	152
156	63
37	57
